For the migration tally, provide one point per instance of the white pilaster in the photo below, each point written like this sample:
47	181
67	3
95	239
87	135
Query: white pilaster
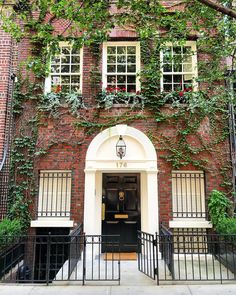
152	203
90	203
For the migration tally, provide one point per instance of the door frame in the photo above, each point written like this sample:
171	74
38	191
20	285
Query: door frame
99	161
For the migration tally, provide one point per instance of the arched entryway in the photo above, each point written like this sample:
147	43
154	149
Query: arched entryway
140	160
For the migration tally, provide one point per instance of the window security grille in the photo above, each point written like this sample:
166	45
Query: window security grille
188	194
54	194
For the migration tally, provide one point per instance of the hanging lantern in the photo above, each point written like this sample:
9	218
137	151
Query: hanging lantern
120	147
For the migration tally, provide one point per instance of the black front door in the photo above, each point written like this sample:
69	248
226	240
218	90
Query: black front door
121	208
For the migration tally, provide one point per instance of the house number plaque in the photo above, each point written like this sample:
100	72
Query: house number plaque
121	164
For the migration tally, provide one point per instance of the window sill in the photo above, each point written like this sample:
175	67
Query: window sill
52	222
190	223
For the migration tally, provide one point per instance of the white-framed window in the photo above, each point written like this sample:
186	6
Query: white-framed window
188	194
54	197
121	66
179	67
65	73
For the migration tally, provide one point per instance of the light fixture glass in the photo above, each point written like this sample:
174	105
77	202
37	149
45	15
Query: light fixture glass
120	147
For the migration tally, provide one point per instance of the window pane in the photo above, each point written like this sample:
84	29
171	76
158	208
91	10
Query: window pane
177	50
178	87
121	87
187	50
177	67
75	79
131	59
111	50
187	68
167	78
167	87
120	68
178	78
131	68
121	50
65	79
75	59
167	68
65	50
65	59
55	60
65	88
75	68
131	50
56	80
121	79
167	55
55	68
111	59
131	79
187	59
65	68
75	50
177	60
111	79
121	59
75	88
111	68
131	88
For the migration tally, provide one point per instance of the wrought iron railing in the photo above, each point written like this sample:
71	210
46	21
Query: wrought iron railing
51	258
208	257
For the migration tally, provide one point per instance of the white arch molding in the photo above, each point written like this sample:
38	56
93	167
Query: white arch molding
140	158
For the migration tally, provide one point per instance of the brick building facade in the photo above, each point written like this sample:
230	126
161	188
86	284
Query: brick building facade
73	184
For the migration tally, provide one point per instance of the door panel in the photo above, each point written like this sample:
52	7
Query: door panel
121	196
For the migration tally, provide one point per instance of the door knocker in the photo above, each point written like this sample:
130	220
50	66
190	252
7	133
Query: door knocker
121	196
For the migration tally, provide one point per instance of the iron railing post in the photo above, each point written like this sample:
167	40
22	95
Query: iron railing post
84	259
48	258
156	266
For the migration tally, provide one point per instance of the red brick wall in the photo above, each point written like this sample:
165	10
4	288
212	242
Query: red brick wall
61	139
64	153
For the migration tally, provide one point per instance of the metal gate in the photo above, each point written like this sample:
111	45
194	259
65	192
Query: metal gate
189	256
147	254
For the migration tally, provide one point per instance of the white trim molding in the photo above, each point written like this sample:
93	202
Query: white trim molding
140	158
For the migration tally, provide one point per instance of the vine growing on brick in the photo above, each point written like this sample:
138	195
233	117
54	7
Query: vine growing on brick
88	23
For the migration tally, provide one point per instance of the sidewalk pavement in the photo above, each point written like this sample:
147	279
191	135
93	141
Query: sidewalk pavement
213	289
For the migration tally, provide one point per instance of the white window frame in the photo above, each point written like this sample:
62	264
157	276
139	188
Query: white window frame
48	79
104	61
194	71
